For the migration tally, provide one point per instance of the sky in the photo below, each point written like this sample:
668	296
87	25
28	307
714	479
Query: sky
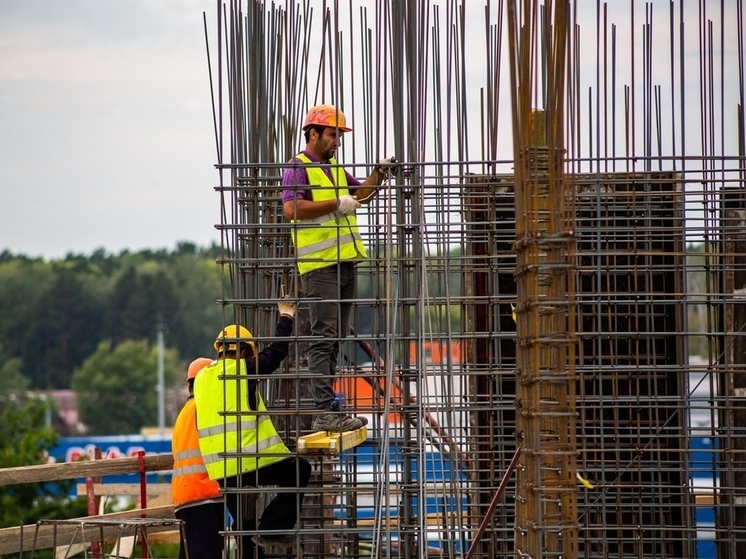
106	127
106	131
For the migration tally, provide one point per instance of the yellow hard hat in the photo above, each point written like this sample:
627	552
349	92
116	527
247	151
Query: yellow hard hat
326	115
196	366
233	332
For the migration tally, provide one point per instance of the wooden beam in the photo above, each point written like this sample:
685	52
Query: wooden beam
164	538
124	489
84	468
21	538
432	519
331	443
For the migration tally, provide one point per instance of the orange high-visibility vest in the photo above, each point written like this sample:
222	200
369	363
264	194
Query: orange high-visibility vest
190	484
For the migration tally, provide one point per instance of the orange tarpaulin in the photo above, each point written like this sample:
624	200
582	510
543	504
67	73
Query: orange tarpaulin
365	391
359	394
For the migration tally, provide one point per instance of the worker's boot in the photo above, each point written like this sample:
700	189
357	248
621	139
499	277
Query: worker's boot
332	419
275	540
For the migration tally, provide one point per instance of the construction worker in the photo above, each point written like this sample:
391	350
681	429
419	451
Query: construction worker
239	443
320	198
197	499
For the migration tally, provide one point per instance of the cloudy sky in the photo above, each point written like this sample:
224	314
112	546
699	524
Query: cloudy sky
106	134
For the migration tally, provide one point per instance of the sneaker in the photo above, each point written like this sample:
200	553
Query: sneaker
274	540
333	420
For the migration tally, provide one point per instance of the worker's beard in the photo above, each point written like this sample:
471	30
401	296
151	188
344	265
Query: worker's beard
329	153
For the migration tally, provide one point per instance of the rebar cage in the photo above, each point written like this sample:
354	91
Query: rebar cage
584	311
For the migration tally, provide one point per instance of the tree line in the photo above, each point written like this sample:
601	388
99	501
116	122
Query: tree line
106	308
90	323
56	313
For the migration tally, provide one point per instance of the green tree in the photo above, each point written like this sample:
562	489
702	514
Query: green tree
56	313
124	312
23	283
116	387
65	328
143	296
196	317
25	441
12	381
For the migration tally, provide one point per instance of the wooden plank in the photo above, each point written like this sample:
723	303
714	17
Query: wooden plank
331	443
21	539
84	468
126	545
432	519
164	537
161	499
706	499
107	489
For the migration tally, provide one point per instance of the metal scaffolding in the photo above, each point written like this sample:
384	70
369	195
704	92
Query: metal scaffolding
560	291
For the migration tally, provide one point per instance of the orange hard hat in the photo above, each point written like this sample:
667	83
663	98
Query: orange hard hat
326	115
196	366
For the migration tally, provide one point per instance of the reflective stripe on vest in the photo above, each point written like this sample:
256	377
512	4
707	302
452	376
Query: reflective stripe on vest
190	482
260	447
325	240
226	428
230	444
188	470
197	466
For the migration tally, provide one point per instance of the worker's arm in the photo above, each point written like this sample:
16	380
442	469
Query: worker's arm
299	208
270	358
369	187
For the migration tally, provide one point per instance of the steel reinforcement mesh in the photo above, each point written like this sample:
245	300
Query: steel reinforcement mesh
431	359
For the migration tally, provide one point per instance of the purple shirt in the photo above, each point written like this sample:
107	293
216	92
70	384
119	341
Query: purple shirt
295	178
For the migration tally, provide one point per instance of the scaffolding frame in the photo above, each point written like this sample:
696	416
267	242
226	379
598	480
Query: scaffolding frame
610	216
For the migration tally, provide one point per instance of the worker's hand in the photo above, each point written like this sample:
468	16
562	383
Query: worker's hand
385	167
347	204
286	307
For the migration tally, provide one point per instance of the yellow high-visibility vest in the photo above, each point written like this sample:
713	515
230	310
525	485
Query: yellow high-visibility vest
227	425
331	238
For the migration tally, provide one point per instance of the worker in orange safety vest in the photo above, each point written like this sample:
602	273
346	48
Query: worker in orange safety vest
197	499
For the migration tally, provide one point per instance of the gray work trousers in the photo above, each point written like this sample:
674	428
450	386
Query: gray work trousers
329	292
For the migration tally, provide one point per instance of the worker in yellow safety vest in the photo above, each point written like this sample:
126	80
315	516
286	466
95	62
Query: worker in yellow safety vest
197	499
239	443
320	199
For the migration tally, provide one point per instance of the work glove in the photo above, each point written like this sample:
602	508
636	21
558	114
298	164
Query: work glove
385	167
347	204
286	307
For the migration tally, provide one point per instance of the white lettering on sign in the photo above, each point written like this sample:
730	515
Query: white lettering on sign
76	453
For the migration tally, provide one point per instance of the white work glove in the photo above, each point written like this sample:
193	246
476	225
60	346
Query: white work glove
385	167
347	204
287	307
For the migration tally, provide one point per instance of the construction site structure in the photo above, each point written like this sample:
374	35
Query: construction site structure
548	335
113	534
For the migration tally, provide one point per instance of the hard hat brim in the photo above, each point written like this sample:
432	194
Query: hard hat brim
342	128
